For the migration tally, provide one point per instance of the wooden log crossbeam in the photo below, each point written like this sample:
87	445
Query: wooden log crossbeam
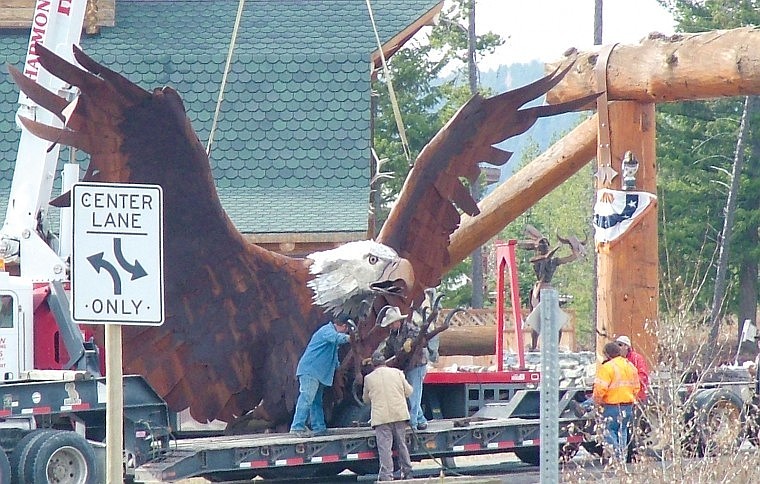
706	65
523	189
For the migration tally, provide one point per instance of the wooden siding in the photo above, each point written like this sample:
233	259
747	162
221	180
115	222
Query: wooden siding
17	14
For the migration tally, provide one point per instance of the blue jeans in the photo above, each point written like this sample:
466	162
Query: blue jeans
415	376
309	405
618	419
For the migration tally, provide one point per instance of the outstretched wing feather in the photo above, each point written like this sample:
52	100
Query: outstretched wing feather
50	101
455	153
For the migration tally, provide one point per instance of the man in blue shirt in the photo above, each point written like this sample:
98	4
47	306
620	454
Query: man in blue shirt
315	371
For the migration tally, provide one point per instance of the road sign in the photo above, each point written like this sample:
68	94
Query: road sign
117	254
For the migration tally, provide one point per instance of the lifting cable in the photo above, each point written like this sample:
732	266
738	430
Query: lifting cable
233	40
391	92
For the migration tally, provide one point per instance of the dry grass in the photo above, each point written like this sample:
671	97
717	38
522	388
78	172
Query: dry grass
741	468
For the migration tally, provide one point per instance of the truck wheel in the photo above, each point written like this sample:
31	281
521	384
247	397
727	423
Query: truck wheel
365	467
5	467
20	455
289	473
64	457
529	455
718	416
654	432
532	455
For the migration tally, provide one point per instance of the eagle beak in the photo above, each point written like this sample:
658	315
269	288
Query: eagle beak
403	271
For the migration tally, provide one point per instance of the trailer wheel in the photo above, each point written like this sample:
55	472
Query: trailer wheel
593	447
529	455
365	467
290	473
64	457
5	467
24	448
715	416
532	455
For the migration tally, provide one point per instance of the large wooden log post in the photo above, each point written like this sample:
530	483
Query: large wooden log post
627	269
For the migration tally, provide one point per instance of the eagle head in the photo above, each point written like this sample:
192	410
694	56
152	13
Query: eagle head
344	277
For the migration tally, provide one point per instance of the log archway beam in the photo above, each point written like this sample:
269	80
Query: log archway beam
680	67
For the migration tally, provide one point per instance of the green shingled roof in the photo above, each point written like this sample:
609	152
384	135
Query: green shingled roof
291	150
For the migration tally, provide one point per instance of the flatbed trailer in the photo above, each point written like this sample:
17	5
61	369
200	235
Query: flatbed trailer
493	429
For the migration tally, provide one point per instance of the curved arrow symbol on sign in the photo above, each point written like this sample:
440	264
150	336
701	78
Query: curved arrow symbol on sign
98	263
135	269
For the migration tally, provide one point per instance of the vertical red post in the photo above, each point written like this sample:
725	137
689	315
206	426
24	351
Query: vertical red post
500	261
505	258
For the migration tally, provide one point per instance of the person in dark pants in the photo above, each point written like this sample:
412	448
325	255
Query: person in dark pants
315	371
386	391
400	341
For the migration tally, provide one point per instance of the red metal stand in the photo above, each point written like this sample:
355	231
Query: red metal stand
500	384
505	259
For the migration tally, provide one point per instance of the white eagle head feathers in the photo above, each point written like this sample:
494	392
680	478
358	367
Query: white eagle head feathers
346	277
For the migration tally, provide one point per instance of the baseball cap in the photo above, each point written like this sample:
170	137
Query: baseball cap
624	339
342	320
378	358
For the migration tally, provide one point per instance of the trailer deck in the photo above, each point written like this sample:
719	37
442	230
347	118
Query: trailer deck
286	455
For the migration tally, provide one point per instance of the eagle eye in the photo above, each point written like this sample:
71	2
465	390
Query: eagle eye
373	259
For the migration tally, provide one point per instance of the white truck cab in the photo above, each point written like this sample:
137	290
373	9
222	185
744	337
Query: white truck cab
16	325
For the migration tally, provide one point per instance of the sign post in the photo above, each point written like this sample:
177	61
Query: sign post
117	278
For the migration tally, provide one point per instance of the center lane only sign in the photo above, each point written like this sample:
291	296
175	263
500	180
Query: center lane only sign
117	254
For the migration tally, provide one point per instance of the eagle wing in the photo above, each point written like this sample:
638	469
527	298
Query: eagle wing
428	209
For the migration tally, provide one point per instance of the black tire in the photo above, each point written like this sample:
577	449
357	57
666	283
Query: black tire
529	455
532	455
20	454
5	467
715	415
64	457
365	467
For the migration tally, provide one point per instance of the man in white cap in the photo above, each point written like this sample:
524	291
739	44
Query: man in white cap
624	342
400	343
638	361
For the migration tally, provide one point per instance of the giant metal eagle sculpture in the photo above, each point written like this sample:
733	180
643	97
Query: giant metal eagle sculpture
238	316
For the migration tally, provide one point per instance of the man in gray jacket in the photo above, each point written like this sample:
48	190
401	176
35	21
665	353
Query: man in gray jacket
386	391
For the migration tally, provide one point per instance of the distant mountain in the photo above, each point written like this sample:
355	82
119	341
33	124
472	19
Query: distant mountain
546	130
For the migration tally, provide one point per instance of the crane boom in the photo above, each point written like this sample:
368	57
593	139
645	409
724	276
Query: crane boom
57	24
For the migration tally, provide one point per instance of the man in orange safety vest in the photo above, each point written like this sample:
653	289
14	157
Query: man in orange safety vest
615	389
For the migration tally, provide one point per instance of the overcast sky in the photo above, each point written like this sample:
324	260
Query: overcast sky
544	29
